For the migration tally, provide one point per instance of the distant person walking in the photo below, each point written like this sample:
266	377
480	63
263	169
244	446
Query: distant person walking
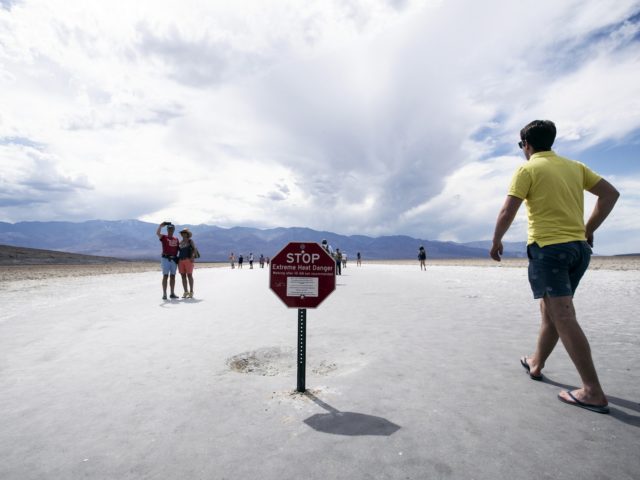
251	260
358	259
186	257
327	248
558	248
344	260
338	257
422	256
240	260
232	260
261	260
169	259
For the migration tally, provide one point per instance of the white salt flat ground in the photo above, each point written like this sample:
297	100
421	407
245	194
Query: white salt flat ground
413	375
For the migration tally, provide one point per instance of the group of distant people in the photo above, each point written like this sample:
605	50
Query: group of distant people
339	256
558	247
262	260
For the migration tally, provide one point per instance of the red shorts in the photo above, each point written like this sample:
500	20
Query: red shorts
185	266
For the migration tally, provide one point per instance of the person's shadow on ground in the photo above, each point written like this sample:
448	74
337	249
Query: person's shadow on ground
177	301
348	423
613	411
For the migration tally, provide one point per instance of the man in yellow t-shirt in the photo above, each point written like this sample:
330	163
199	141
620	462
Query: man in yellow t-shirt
559	250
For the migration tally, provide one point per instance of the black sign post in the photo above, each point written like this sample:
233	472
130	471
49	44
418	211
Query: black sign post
302	348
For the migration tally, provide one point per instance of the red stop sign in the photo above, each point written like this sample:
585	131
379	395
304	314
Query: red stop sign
302	275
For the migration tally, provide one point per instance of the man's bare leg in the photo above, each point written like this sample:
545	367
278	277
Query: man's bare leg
172	284
561	312
547	340
164	284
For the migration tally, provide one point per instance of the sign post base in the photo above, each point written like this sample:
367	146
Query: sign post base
302	348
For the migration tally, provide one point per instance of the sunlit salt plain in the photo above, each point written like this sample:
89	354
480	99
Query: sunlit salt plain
410	374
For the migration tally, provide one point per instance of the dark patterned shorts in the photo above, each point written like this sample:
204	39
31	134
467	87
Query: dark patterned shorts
556	270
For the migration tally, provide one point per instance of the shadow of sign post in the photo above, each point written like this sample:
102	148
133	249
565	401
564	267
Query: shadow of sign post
348	423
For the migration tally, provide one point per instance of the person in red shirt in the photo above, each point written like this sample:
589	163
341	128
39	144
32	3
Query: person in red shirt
169	260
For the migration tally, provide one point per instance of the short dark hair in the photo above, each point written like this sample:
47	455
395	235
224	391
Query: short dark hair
540	134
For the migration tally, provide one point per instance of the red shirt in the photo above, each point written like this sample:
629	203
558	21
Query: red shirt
170	245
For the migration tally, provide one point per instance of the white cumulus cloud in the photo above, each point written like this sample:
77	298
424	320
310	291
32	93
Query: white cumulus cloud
364	116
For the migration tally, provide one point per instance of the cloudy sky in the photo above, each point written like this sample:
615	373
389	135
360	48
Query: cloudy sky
367	117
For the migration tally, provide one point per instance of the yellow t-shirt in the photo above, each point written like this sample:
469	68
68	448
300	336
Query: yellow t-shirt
553	189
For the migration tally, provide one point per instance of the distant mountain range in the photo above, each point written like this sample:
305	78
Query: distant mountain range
133	239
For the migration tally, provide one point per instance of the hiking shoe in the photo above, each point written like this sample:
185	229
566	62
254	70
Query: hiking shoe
190	294
173	295
164	297
185	295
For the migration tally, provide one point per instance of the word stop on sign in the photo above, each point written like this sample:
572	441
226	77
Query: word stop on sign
302	257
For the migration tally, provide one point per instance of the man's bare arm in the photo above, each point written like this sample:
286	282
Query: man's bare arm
158	233
505	219
607	198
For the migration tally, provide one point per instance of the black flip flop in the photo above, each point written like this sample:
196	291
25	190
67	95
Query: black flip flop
586	406
525	365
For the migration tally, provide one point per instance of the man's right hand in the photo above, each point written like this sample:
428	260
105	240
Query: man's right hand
496	251
505	218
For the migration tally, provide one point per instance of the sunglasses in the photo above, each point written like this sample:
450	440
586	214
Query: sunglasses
521	144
